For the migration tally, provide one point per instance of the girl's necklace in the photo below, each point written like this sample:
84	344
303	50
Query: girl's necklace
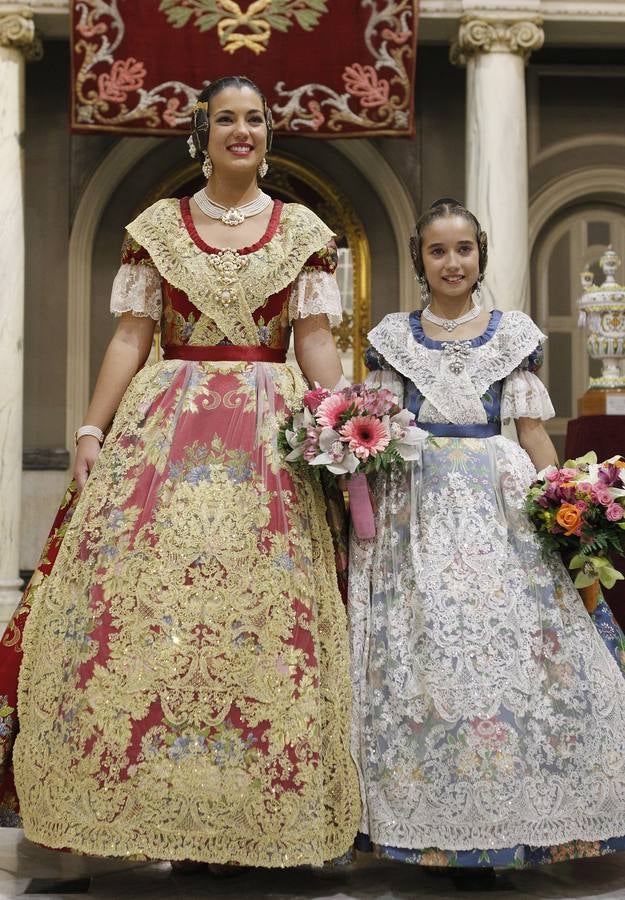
450	324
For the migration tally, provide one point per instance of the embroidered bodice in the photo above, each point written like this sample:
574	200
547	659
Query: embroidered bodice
206	296
472	383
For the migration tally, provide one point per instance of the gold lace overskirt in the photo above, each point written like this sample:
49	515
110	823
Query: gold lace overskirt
184	691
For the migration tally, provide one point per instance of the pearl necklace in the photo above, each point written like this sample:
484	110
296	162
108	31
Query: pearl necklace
235	215
450	324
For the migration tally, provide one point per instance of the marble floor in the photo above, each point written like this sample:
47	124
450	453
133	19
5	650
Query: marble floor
35	873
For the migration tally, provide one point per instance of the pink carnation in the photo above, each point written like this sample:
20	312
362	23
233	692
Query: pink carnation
614	512
367	436
312	399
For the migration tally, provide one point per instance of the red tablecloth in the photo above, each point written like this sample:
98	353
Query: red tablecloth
606	436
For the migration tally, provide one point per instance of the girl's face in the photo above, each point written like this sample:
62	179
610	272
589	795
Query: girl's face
238	134
450	257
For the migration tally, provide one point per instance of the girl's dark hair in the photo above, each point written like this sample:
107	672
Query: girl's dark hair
440	209
200	127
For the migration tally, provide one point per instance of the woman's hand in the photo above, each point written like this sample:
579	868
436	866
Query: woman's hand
87	452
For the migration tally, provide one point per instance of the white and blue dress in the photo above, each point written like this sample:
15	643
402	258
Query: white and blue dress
488	706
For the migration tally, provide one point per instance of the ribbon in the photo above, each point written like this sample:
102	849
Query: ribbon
360	507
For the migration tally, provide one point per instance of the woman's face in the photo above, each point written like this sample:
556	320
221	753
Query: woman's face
238	133
450	257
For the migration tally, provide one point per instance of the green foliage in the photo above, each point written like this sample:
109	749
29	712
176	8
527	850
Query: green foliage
280	15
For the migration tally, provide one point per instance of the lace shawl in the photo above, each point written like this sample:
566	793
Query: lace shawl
229	286
454	396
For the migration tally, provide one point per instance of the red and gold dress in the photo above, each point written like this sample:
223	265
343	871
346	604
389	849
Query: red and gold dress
184	688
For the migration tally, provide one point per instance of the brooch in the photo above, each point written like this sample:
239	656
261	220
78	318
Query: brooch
456	354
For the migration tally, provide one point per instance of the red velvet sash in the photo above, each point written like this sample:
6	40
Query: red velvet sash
224	353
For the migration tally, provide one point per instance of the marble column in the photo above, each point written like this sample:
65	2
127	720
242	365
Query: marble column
495	52
17	34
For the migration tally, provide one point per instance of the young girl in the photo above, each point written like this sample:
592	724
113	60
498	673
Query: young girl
184	692
489	713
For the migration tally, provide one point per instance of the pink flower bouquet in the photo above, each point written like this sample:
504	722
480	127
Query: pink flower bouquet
580	511
352	432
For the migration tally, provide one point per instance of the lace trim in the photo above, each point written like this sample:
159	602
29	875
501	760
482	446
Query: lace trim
228	286
525	396
137	289
487	710
313	294
456	395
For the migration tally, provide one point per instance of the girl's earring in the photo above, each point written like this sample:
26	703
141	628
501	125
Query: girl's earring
425	290
207	168
263	169
478	288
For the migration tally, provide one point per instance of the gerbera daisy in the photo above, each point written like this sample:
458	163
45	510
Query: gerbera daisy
367	436
332	408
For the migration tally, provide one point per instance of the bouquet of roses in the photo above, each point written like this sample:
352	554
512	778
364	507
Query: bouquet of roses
580	511
352	432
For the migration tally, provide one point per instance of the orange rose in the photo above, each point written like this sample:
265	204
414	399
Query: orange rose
568	517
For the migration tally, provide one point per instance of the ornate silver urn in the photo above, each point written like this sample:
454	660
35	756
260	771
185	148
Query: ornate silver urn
602	311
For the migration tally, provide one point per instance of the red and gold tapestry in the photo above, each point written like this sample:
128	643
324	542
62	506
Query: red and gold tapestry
330	68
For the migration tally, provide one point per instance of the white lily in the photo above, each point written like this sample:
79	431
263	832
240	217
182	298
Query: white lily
593	474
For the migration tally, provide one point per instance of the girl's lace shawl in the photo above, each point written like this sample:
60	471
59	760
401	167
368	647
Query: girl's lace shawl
228	286
454	396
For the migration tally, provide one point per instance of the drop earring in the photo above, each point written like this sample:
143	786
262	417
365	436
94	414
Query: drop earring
425	290
263	168
207	167
478	288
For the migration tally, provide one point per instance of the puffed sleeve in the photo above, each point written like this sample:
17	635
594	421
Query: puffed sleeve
315	290
137	285
524	395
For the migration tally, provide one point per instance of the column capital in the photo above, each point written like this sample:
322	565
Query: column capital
481	34
17	30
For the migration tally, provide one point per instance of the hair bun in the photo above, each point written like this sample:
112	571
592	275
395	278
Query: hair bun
445	201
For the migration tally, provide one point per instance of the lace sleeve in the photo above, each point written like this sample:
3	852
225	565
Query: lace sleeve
136	289
525	396
137	285
313	294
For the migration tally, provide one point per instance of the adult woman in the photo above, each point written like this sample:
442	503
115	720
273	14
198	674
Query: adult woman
186	657
489	719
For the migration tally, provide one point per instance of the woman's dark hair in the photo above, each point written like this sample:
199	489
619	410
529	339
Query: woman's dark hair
440	209
200	127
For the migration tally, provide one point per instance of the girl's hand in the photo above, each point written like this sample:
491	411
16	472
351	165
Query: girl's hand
87	452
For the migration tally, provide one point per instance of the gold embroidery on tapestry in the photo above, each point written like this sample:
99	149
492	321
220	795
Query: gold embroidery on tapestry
250	29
